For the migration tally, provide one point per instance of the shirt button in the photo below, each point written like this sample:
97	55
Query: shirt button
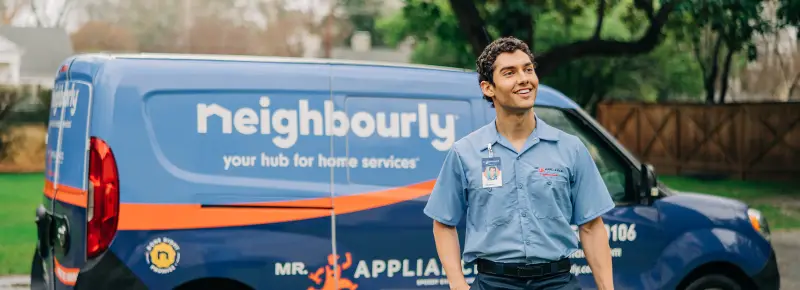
524	214
519	185
549	183
517	157
527	242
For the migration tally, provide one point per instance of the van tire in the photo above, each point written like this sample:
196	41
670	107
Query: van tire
213	284
37	272
713	282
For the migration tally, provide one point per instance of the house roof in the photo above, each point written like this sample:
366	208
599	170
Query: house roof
8	45
43	49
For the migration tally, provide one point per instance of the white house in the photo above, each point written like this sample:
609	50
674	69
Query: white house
30	58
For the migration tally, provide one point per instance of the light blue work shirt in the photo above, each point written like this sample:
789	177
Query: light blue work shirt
551	184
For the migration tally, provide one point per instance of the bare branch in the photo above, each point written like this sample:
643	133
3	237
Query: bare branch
42	20
63	14
11	11
794	85
36	14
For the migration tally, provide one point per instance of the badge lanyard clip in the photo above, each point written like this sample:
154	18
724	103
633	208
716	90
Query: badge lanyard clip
489	146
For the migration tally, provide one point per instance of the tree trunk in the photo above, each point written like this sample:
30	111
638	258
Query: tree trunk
794	85
710	79
723	82
471	24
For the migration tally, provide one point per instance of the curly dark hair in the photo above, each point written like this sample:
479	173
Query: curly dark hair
485	62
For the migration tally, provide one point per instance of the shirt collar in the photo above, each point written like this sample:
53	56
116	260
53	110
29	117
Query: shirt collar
542	131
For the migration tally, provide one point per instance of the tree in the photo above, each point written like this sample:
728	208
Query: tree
363	15
720	29
666	73
41	9
480	19
9	98
789	67
156	25
10	9
253	27
95	35
281	36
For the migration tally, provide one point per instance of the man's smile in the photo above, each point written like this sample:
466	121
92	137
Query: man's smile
524	92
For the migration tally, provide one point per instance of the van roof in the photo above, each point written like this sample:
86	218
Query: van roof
547	96
279	59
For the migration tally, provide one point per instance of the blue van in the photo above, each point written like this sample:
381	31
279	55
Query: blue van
226	172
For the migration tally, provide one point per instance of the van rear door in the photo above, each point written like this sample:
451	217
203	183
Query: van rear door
71	101
44	215
221	156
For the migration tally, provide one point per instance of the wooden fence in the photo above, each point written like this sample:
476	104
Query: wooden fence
741	141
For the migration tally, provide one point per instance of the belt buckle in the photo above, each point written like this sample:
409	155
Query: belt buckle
530	270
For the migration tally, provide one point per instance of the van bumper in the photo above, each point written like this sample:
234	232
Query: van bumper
768	278
108	272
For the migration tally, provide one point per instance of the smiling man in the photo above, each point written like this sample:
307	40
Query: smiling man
518	223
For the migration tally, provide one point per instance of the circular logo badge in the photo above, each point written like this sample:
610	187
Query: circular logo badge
162	255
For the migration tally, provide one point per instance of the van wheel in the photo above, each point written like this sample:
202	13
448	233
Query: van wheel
214	284
37	272
713	282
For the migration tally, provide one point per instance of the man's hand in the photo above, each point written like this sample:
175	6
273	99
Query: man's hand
594	240
449	251
463	286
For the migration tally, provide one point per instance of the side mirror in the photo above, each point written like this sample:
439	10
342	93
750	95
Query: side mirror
648	189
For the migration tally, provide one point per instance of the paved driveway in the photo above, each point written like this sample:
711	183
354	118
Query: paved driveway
787	248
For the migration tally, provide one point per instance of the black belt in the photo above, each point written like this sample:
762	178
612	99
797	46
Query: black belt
524	270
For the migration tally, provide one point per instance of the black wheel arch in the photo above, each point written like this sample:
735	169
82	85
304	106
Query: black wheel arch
214	283
726	269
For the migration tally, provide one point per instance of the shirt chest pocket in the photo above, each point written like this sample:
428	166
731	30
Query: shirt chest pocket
550	195
490	207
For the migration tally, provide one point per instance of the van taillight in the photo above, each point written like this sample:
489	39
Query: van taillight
103	205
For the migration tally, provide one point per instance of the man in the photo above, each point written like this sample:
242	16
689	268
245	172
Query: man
518	226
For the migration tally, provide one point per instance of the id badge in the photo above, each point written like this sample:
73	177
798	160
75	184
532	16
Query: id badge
492	175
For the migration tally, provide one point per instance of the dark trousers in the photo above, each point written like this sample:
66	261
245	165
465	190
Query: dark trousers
561	281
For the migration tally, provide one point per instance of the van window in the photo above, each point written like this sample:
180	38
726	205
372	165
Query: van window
612	169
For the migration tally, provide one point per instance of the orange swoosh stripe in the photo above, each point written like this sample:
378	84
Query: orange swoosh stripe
67	194
68	276
135	216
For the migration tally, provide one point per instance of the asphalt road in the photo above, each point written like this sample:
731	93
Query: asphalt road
787	247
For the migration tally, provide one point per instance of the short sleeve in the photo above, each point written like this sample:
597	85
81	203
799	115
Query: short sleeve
447	202
589	193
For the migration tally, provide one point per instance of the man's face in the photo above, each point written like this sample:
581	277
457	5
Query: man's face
515	82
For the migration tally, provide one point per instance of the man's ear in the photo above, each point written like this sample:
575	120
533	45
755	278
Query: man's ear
487	88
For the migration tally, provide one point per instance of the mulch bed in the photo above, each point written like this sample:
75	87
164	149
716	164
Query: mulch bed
14	168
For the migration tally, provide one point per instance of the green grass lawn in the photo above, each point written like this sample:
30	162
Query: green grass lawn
19	196
21	193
